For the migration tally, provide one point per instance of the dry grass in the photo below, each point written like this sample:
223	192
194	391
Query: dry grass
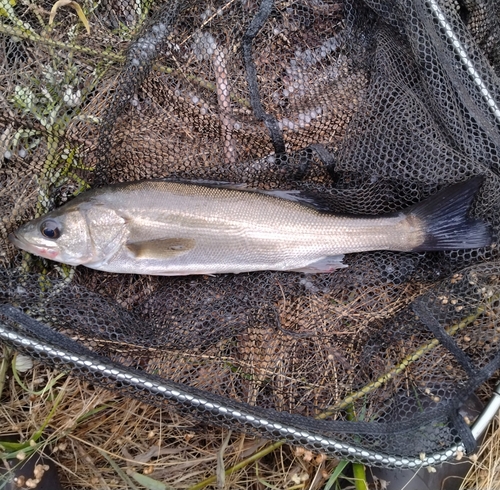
485	473
102	441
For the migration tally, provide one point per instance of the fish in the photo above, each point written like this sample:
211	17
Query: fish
161	227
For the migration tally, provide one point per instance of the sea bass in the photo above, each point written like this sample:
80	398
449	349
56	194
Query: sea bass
176	228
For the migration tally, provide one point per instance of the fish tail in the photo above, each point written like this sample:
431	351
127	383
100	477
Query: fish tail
446	222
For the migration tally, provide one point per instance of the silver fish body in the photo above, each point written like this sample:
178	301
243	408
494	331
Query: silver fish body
171	228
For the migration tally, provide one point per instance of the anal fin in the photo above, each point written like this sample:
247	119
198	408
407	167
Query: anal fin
324	265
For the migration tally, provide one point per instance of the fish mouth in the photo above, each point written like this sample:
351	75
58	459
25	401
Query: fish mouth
17	241
23	244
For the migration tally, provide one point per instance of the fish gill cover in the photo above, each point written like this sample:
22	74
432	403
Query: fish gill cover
370	105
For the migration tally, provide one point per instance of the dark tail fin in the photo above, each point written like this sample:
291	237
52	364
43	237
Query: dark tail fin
446	222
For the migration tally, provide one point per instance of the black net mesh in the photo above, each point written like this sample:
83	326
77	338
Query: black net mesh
372	105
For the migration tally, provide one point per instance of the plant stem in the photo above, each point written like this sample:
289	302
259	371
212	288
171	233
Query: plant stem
241	464
406	362
118	470
32	36
4	365
359	473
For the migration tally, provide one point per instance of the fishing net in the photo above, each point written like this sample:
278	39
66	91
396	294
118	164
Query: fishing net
373	106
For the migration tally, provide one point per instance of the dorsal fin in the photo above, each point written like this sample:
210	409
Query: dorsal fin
298	196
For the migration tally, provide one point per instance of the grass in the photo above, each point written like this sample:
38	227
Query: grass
102	441
485	472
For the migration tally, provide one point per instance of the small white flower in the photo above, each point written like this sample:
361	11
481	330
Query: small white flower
23	363
72	99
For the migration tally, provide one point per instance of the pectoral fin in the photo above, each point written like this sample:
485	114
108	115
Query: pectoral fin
165	248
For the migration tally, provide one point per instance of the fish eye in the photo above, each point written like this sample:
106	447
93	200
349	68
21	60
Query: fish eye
50	229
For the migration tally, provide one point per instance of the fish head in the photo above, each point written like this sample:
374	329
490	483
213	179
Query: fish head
62	235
